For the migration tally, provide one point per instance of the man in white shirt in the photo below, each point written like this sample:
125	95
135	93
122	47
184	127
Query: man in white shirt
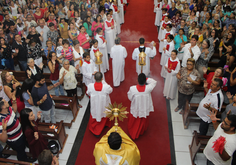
226	130
45	29
190	50
141	105
118	55
151	53
99	99
211	102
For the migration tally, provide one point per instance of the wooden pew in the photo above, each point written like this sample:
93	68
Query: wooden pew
7	151
67	103
60	135
197	145
189	114
4	161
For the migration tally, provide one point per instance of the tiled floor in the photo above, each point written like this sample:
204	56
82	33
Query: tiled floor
183	137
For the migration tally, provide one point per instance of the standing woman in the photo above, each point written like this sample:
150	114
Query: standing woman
63	28
84	39
180	38
38	14
166	5
176	19
192	18
25	95
67	77
43	9
33	69
83	12
71	12
33	34
54	66
78	53
185	12
35	139
227	58
97	24
204	57
88	25
6	51
73	33
13	9
203	14
228	41
109	32
188	78
191	5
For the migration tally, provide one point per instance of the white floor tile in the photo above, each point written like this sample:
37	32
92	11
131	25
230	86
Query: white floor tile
183	158
62	162
178	129
182	143
71	135
66	151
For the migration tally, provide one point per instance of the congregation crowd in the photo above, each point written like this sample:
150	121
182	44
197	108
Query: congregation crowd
197	43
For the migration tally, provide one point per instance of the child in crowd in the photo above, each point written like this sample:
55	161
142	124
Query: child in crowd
88	69
59	48
67	52
172	67
52	34
50	48
168	47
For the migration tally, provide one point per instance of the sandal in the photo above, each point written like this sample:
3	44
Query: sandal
80	106
177	109
181	112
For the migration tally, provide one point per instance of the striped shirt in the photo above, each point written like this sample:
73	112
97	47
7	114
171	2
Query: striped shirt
69	53
14	131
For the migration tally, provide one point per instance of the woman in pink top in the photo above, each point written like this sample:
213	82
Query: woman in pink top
97	24
84	39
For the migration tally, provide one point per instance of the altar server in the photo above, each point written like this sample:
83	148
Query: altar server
118	55
102	46
141	105
150	54
121	9
116	16
158	13
88	69
164	21
172	67
99	99
167	31
168	47
110	32
93	50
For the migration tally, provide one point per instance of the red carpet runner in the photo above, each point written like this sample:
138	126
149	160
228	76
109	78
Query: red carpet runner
154	145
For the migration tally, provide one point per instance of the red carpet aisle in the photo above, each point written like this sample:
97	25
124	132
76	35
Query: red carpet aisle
154	145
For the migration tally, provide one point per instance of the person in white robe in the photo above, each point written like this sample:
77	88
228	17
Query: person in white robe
88	69
141	105
168	47
78	54
150	52
158	13
172	66
110	32
102	45
121	9
167	31
118	55
190	50
99	99
116	16
163	23
93	50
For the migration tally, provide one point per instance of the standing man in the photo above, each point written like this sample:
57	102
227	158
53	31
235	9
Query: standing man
172	10
118	55
225	129
99	96
42	98
44	29
150	54
211	102
141	105
20	50
10	128
190	50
